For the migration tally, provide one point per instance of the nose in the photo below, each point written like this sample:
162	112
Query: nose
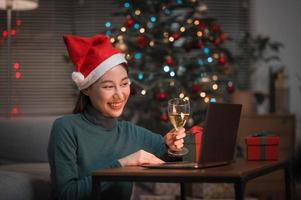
118	92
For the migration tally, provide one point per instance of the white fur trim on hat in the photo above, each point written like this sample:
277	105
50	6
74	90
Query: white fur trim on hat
97	72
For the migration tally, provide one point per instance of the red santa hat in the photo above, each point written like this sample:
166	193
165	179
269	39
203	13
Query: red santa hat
92	58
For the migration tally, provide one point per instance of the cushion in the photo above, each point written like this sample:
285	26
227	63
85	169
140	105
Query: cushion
24	139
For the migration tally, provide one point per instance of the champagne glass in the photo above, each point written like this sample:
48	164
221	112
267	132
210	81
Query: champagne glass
178	113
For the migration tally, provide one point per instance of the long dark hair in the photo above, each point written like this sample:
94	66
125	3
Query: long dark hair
83	100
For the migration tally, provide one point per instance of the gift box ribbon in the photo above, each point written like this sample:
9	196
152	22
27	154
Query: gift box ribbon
197	131
262	142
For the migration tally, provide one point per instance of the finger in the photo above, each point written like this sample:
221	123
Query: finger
180	136
179	146
178	142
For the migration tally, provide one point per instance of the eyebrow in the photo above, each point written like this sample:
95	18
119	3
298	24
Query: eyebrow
109	81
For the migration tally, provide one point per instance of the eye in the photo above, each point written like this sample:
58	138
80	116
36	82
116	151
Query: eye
125	84
108	86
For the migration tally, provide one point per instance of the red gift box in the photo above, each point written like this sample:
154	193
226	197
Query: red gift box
262	147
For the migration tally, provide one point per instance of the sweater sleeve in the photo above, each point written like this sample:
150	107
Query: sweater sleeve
150	141
62	154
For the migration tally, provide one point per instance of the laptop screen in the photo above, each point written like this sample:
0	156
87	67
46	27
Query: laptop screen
220	132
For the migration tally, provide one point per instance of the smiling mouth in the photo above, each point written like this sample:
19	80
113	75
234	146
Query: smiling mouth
116	105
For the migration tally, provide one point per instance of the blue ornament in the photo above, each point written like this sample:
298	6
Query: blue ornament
108	32
210	59
206	50
140	76
108	24
200	62
136	26
167	12
213	100
126	5
153	19
138	56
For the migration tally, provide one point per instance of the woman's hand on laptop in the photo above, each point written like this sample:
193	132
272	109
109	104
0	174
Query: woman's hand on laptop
138	158
174	139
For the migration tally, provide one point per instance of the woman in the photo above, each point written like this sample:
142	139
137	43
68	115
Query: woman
92	138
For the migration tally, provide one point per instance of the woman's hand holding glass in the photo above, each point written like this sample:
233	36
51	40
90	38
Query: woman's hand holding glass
175	139
178	113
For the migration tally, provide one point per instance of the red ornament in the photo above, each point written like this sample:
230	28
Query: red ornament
13	32
176	35
164	117
199	44
187	46
18	75
129	22
217	42
14	110
4	34
222	60
223	37
202	26
18	22
230	87
16	66
141	41
161	96
169	60
196	88
215	27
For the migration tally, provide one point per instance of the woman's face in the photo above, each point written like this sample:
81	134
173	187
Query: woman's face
110	92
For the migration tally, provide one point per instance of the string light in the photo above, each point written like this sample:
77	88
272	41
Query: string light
142	30
181	95
112	40
172	83
151	43
172	73
189	21
196	22
214	86
215	77
137	12
206	99
215	55
143	92
182	29
199	33
171	39
203	94
166	68
123	29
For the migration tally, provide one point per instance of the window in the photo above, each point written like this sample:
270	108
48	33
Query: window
41	84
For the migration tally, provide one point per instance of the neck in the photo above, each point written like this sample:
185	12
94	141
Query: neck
98	118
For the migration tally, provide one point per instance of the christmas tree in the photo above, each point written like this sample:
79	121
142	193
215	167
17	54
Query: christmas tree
173	50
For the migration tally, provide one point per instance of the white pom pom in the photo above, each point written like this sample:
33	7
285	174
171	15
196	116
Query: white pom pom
78	78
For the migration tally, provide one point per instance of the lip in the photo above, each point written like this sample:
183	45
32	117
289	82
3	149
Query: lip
116	105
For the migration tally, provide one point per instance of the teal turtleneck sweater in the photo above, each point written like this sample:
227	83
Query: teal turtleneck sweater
84	142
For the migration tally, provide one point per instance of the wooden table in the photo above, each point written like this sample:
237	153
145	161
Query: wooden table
238	173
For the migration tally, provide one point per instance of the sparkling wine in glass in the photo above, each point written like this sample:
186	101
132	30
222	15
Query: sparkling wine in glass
178	113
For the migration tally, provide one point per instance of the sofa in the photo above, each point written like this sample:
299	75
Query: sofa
24	169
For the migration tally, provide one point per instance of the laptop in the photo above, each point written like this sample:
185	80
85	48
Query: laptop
218	140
